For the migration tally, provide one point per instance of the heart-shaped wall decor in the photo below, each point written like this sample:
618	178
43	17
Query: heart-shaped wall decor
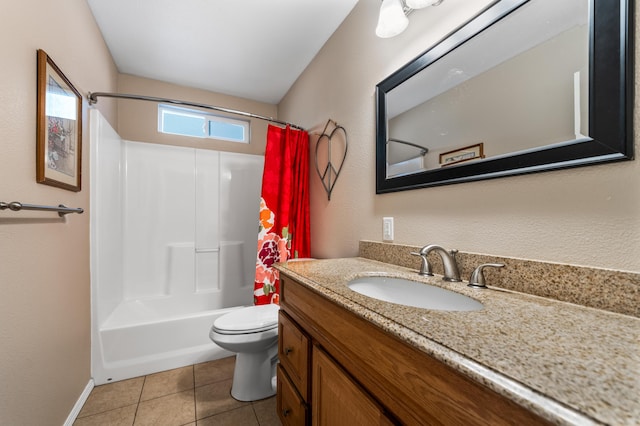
330	173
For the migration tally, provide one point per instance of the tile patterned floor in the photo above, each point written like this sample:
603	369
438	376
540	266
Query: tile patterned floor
197	395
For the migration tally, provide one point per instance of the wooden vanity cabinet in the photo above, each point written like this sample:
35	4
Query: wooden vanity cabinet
337	400
358	374
292	409
294	348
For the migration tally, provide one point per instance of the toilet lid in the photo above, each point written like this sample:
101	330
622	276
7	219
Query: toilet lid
249	320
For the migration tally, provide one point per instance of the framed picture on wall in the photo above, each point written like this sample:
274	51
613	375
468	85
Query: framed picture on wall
460	155
58	128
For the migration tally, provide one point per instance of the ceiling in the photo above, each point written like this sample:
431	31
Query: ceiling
253	49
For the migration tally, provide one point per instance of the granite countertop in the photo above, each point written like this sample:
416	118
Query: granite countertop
568	363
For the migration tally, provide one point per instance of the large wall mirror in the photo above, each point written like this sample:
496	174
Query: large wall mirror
526	86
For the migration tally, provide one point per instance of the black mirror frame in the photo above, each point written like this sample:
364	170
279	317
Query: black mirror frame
611	70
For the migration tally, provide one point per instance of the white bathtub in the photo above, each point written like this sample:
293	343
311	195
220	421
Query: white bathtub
136	341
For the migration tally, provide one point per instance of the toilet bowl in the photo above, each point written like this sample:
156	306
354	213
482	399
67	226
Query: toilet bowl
252	333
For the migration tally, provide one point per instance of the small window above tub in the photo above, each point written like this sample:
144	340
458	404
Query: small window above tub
198	124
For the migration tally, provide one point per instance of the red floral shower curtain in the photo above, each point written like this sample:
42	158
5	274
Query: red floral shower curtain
284	208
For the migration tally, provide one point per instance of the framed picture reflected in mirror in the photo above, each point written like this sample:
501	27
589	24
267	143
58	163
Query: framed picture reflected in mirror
460	155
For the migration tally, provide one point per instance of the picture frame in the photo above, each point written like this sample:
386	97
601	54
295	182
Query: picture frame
461	155
58	128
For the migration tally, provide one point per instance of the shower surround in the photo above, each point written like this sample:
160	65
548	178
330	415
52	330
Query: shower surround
173	246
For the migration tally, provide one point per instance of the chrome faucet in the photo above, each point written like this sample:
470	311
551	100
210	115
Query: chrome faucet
451	271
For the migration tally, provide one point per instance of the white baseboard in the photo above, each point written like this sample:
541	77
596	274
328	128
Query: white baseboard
78	406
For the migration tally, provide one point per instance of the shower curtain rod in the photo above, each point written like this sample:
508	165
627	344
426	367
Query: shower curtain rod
93	98
423	149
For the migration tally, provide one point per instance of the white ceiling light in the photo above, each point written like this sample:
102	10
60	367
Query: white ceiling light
392	20
393	15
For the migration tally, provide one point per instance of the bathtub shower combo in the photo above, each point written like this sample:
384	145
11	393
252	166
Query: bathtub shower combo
173	247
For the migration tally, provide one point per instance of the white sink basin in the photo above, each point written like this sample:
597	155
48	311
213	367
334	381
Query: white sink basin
412	293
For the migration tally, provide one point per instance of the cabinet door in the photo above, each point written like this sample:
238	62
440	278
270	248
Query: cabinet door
291	408
337	400
293	352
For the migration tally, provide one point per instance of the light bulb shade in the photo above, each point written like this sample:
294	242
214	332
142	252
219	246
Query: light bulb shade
419	4
392	20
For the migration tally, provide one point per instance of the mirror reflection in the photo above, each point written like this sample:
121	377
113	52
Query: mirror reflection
520	85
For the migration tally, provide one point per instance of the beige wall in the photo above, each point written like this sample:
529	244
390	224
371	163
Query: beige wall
44	261
585	216
138	120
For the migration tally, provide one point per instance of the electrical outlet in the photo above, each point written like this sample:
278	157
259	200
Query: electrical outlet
387	229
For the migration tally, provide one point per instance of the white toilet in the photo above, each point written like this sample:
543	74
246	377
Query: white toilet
252	333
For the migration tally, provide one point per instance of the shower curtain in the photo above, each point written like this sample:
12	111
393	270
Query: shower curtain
284	208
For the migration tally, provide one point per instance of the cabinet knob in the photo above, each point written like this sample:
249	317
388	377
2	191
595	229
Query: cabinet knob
286	412
288	350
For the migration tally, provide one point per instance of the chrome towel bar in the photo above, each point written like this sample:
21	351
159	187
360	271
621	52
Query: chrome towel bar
61	208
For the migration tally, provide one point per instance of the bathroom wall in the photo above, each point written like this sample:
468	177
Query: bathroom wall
585	216
138	120
44	260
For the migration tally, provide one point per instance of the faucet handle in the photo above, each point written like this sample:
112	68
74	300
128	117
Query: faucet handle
477	276
425	266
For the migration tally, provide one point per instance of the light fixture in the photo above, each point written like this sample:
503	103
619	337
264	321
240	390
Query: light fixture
393	15
392	20
419	4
